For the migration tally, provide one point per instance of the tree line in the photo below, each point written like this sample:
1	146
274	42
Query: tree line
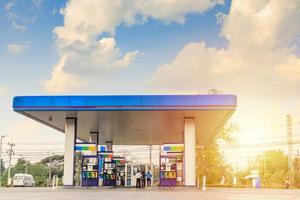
272	165
42	171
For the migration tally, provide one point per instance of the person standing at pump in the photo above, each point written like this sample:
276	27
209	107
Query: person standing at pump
138	177
148	177
143	179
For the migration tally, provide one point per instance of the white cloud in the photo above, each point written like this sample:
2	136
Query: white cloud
17	48
17	27
61	81
20	17
173	10
81	51
90	58
54	11
261	37
86	60
85	20
259	65
9	5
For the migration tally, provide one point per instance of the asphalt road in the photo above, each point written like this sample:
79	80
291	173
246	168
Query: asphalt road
145	194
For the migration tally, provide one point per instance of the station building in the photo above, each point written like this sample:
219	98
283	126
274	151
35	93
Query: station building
177	122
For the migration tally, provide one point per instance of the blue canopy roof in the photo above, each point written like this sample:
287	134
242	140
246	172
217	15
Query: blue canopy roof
123	102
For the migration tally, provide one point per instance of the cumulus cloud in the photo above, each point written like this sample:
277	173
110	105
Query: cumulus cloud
173	10
83	55
9	5
18	16
17	48
260	65
60	80
259	57
85	20
17	27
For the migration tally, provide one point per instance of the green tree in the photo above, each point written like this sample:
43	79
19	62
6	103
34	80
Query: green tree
296	174
2	172
2	166
18	168
272	166
210	160
54	162
40	173
39	170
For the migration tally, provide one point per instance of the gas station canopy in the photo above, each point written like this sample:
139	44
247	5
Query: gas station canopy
189	120
131	119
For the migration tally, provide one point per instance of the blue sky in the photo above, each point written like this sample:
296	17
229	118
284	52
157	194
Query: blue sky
159	43
40	53
251	50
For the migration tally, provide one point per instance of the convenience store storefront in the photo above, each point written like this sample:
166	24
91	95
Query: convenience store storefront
178	122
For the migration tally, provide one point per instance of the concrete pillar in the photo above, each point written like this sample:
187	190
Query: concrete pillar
189	152
69	158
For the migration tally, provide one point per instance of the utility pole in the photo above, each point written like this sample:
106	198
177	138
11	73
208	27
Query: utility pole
11	152
1	140
289	125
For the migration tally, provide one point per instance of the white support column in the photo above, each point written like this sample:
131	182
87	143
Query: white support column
69	158
189	152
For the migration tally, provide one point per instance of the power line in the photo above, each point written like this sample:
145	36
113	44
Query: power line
38	143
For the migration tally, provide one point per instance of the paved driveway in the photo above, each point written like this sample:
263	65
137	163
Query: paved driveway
145	194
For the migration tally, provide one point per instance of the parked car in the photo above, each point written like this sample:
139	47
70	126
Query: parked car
25	180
